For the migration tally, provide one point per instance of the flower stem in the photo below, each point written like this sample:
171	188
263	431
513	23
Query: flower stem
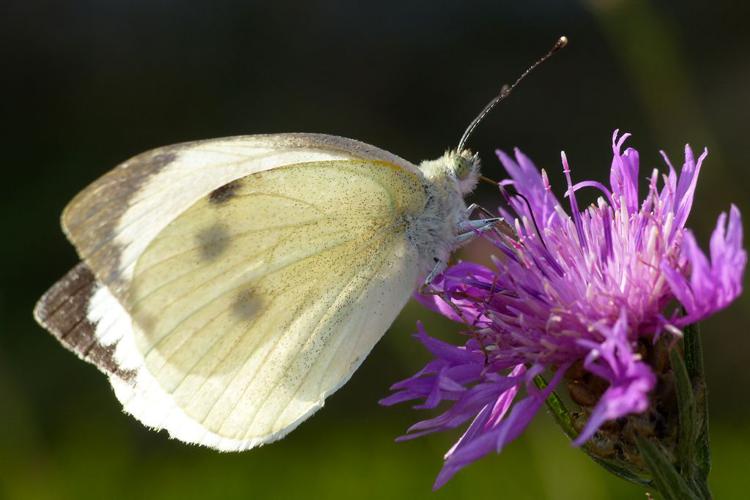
683	472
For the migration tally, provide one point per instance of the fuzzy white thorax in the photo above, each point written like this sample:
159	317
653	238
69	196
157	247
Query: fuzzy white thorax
449	179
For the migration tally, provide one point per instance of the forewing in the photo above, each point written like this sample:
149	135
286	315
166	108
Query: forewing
113	220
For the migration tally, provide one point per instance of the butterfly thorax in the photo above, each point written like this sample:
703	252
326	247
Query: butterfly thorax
448	179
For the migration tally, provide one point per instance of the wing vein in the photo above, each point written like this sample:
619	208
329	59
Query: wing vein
240	234
375	270
265	359
224	292
207	351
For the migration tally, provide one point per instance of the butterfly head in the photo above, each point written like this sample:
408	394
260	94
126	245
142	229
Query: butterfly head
465	167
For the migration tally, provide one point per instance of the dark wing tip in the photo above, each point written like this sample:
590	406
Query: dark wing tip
63	311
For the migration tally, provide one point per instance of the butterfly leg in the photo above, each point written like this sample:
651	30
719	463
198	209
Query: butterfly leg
471	228
439	266
475	207
468	229
426	289
501	227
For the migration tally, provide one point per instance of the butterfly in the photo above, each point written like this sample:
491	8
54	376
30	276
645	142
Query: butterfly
228	286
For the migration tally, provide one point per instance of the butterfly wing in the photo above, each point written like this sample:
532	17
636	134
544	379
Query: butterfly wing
234	321
113	220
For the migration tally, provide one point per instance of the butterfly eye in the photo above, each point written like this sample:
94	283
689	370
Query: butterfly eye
465	165
462	167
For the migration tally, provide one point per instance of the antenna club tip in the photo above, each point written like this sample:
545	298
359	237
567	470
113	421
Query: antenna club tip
561	42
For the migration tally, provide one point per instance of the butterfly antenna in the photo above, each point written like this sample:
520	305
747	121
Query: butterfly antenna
506	90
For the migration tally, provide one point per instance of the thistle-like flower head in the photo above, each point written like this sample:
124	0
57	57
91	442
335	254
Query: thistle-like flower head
583	295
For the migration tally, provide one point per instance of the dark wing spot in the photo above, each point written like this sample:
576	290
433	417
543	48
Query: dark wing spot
213	241
247	305
224	193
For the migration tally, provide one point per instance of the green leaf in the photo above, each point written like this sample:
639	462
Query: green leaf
694	365
686	412
693	351
666	479
615	467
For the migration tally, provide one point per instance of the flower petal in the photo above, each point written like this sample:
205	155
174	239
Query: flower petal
711	285
538	200
623	175
630	379
509	429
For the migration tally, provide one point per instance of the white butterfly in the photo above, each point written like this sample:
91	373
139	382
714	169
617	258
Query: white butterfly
228	286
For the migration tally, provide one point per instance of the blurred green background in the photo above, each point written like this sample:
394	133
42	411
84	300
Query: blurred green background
86	85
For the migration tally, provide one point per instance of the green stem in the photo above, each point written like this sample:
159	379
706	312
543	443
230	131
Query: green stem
685	475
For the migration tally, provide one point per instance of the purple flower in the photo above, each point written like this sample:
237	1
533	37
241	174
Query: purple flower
581	290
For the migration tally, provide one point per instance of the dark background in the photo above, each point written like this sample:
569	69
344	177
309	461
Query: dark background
87	84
